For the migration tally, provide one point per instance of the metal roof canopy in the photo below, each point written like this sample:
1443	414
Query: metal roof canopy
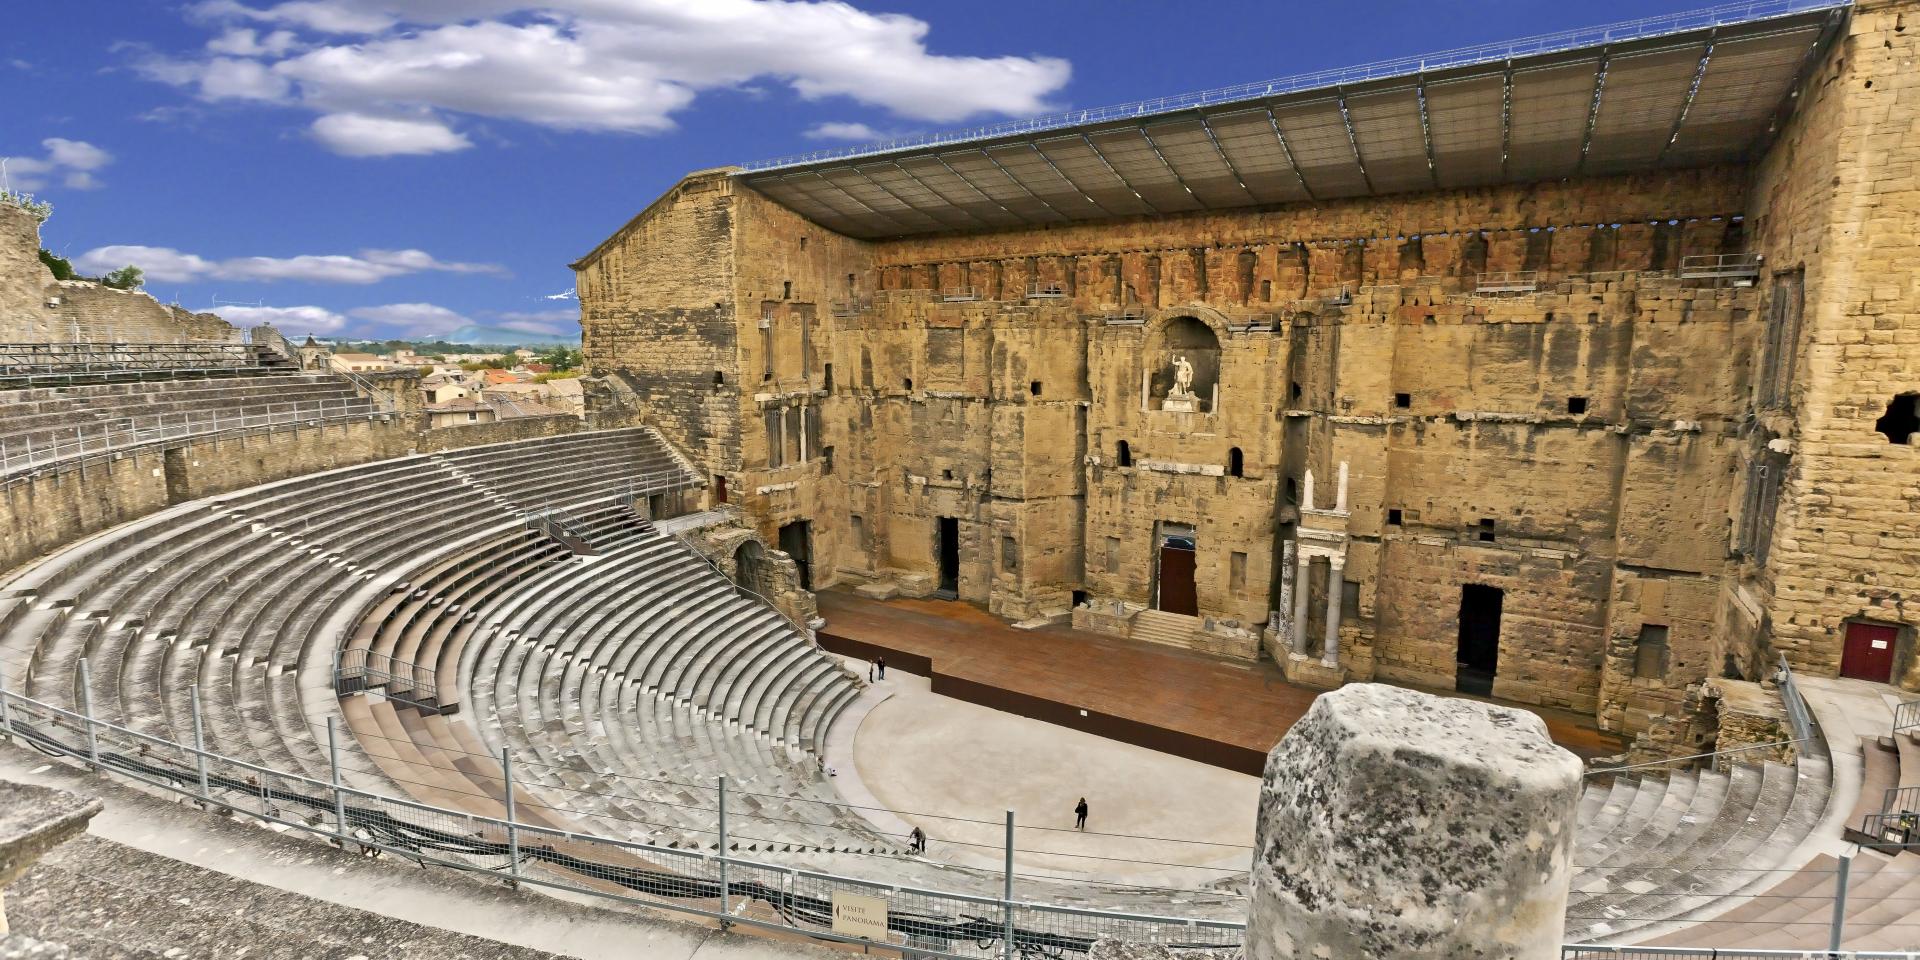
1632	100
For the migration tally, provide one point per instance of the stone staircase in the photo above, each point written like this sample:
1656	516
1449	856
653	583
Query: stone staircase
1159	626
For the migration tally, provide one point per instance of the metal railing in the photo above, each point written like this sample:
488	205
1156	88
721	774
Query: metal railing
1124	316
25	365
738	587
961	295
1689	758
1906	716
1798	719
1046	291
717	885
1720	266
23	457
1508	281
359	669
1486	53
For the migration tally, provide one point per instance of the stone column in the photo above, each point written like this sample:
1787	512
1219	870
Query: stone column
1278	617
1330	650
1302	580
1398	824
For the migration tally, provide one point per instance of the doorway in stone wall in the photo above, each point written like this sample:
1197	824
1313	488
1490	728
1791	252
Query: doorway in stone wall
1174	589
1478	657
796	539
1868	654
948	549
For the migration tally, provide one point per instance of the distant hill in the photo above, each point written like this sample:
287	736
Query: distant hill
474	333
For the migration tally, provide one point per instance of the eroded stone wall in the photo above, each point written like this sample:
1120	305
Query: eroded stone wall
1616	451
1833	209
35	308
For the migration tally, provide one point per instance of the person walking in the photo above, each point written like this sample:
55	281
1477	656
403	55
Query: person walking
1080	814
918	841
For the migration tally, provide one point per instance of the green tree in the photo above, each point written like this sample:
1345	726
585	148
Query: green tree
125	278
560	357
62	269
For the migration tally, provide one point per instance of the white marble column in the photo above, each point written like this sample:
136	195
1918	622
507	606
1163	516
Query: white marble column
1330	655
1302	579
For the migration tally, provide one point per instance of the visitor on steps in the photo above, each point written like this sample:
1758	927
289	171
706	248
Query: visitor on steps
1080	814
917	841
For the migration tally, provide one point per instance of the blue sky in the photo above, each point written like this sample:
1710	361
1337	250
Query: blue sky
405	167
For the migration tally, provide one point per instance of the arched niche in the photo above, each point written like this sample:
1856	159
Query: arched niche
750	565
1189	336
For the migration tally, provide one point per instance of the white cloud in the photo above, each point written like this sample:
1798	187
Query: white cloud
358	135
412	319
246	42
290	320
563	295
167	265
232	78
838	130
395	76
559	321
73	162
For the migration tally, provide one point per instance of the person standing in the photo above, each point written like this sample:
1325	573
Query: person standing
1080	814
871	667
918	840
881	662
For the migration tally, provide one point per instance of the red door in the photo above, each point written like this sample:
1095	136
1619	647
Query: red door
1177	594
1869	652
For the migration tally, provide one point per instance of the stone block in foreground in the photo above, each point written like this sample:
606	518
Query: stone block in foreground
1400	824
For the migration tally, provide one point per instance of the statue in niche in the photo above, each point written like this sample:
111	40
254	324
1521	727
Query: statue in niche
1180	399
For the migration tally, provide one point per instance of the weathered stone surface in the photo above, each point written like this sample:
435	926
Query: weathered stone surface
34	820
1400	824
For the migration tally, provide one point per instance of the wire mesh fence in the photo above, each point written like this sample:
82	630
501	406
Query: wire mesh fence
717	884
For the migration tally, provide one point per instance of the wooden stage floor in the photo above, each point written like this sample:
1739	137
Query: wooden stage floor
1191	696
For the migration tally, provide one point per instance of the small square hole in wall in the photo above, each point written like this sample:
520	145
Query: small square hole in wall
786	290
1393	516
1294	388
1034	388
803	243
1403	400
1576	405
908	383
946	474
1486	529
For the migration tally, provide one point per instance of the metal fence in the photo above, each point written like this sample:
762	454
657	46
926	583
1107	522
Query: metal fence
1906	716
52	364
357	669
1400	67
23	456
717	885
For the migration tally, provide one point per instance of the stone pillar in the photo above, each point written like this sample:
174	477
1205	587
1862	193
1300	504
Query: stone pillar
1398	824
1330	650
1302	581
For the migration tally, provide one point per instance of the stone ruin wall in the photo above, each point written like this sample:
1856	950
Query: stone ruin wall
35	308
1603	520
1836	201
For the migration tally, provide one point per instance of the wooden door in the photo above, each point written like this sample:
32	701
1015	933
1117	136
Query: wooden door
1177	594
1868	654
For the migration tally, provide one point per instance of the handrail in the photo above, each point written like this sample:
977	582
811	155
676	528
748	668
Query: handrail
1906	716
21	458
937	923
1486	53
735	584
1797	716
1696	756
